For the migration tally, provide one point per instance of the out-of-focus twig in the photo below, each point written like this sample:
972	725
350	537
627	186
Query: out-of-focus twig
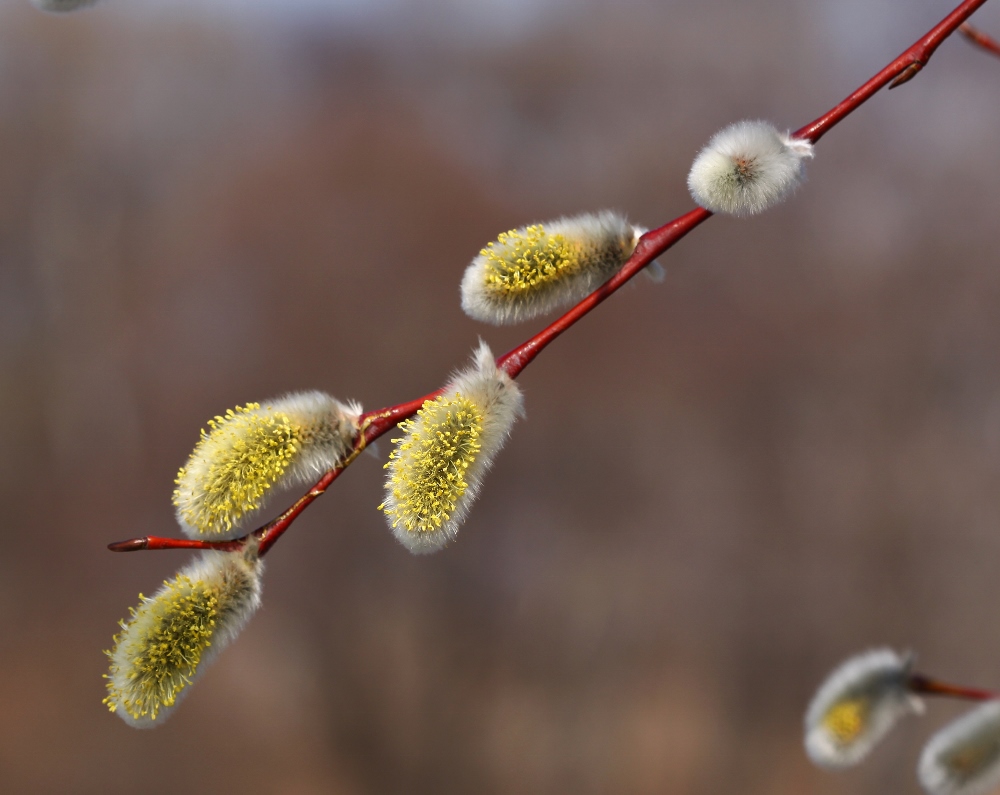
980	39
925	686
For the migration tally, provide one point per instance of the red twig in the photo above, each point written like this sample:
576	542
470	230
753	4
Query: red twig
651	245
156	542
904	68
926	686
373	425
981	39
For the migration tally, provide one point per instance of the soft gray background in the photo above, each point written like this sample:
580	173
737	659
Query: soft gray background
786	453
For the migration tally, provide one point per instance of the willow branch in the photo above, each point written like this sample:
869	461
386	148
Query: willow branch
651	245
899	71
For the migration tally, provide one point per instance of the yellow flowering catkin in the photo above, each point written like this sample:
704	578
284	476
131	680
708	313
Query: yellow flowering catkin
440	446
523	261
172	636
251	451
846	720
857	706
437	465
536	269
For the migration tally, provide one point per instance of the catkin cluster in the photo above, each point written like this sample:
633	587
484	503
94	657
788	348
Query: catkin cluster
437	465
247	454
864	698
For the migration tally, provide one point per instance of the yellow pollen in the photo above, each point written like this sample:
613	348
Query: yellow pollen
968	761
429	463
163	646
523	261
234	465
846	720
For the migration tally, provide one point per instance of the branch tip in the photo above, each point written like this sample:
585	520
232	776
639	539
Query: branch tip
128	546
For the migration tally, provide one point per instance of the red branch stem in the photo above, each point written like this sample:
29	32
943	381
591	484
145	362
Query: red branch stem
156	542
650	246
926	686
901	70
980	39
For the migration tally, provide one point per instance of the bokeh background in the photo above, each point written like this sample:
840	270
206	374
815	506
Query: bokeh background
786	453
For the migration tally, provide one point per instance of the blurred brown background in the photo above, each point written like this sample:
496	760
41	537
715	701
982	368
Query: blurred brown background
786	453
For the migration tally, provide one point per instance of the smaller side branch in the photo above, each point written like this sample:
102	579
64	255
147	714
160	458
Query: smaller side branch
926	686
980	39
904	68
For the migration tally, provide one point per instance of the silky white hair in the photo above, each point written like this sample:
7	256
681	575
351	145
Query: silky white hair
746	168
500	402
964	757
235	579
597	244
324	430
879	680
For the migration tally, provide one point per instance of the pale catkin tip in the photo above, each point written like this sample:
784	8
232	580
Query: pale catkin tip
62	6
857	706
255	450
964	757
537	269
436	468
746	168
172	636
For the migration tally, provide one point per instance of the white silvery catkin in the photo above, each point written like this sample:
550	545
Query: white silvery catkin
746	168
857	706
172	636
62	6
537	269
964	757
437	466
253	451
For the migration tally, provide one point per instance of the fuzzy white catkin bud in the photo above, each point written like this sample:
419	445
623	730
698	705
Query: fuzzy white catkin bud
172	636
746	168
537	269
254	451
62	6
964	757
857	706
437	466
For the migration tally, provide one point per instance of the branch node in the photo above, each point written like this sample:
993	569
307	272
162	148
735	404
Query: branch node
907	74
